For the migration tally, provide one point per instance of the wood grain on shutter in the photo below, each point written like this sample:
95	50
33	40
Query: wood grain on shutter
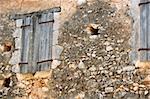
25	45
148	28
37	36
45	42
35	44
46	17
144	35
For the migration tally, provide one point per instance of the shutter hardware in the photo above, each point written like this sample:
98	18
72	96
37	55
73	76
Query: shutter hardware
23	63
37	62
44	61
39	23
142	3
146	49
24	26
46	22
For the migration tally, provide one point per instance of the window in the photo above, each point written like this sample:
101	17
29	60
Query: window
35	41
140	38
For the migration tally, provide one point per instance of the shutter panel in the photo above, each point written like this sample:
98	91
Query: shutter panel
148	27
45	41
26	35
34	42
36	53
144	30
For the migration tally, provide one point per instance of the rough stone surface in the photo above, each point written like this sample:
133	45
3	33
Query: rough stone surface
92	66
43	74
108	89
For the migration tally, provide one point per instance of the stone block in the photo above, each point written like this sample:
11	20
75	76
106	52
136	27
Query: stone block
55	63
56	21
18	43
55	37
146	81
15	59
16	68
17	33
143	65
43	74
56	52
1	83
1	48
26	76
19	22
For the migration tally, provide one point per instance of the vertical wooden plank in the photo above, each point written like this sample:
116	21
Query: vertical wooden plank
40	47
143	33
27	21
45	43
50	16
35	44
148	28
49	35
51	43
43	17
31	46
40	50
25	47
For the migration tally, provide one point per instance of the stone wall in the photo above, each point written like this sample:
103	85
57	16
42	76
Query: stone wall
92	67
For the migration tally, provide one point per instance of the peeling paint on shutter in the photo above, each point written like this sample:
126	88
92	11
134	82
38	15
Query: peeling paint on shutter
144	30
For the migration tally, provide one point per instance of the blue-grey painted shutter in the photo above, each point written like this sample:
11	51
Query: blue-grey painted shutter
37	34
144	30
45	33
26	35
34	42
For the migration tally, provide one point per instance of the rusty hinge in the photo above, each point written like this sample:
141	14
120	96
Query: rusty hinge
44	61
145	49
142	3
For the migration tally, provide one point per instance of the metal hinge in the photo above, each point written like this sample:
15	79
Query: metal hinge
23	63
46	22
142	3
44	61
145	49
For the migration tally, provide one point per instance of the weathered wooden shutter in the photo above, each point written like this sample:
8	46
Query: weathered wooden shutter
144	30
44	31
36	53
34	41
26	32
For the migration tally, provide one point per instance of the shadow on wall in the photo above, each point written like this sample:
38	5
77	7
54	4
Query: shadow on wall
109	50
